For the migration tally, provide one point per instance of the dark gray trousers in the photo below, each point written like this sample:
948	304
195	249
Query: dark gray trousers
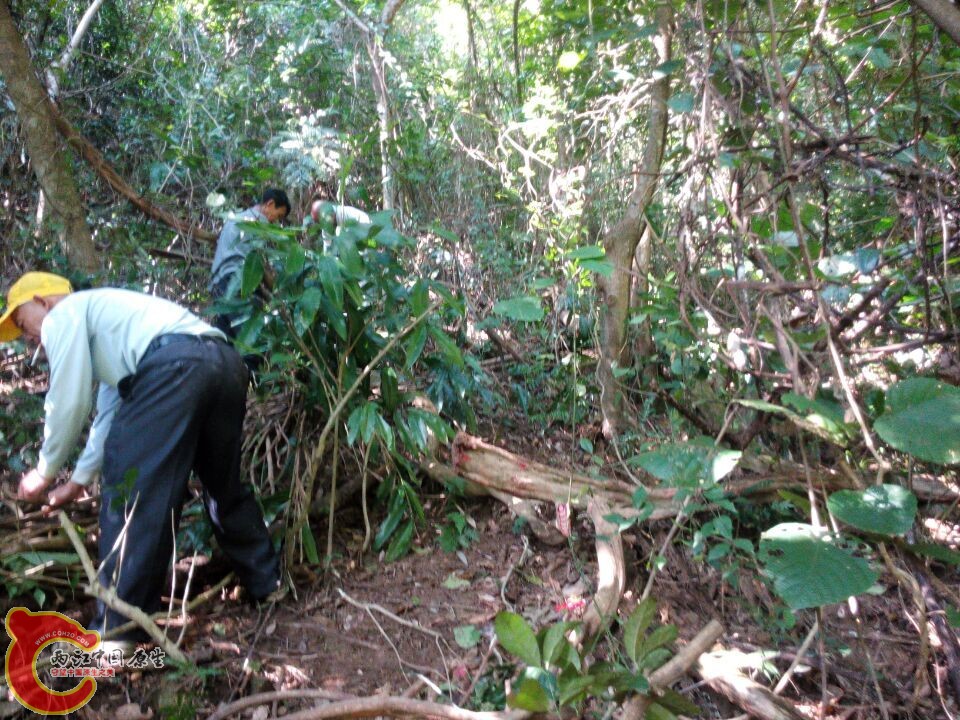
182	411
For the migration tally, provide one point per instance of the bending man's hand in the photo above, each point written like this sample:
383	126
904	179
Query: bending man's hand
62	495
32	486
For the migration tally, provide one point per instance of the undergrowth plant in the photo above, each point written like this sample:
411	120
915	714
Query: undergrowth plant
556	674
362	335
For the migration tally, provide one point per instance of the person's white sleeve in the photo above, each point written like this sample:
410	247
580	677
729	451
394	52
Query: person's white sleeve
70	396
91	460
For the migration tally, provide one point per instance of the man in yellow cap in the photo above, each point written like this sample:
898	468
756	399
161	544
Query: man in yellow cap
171	400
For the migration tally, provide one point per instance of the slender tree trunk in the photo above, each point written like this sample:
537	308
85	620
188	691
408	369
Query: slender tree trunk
50	163
61	65
622	239
375	51
373	39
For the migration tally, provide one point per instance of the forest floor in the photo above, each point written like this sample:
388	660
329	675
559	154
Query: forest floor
365	626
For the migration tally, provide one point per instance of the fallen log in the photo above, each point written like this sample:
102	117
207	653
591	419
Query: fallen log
487	469
721	671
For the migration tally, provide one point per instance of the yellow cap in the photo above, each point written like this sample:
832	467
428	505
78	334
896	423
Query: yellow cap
23	291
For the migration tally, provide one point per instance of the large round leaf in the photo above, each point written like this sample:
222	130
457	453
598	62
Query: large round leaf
523	309
923	419
809	570
884	509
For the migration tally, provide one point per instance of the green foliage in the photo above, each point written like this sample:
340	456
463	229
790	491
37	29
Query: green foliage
330	315
20	571
882	509
458	533
689	465
556	676
526	309
811	568
923	420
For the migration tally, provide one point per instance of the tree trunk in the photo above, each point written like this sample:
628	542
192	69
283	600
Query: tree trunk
622	239
50	163
944	14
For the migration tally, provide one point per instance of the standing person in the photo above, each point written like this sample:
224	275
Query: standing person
234	245
171	399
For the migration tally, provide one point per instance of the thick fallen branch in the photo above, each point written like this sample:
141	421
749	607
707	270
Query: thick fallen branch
267	698
400	707
109	597
110	176
722	672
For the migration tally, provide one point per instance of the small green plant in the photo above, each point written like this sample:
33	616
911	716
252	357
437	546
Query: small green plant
458	533
555	674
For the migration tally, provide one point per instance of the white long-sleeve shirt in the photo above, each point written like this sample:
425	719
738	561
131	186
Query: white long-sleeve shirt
98	336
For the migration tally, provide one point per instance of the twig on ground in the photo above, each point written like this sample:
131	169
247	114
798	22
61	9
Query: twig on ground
109	597
480	670
380	609
225	711
506	578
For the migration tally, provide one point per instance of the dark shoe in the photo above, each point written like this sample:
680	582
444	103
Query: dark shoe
274	596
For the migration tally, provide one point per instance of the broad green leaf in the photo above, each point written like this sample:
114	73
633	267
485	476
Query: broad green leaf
796	419
601	267
636	626
447	347
573	689
809	570
252	274
883	509
529	692
664	69
295	262
587	252
394	516
656	711
555	641
677	703
663	635
936	552
522	309
953	616
689	464
306	310
331	279
414	343
466	636
517	638
400	545
681	103
389	389
309	545
923	420
419	299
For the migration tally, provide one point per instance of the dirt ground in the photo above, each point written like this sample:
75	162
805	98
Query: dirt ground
369	627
